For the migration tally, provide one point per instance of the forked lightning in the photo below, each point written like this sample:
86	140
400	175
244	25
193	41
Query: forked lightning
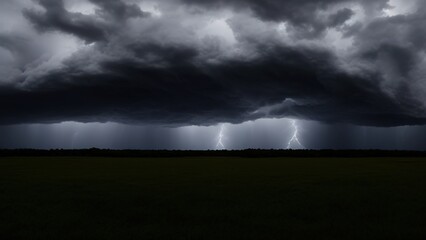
294	140
220	138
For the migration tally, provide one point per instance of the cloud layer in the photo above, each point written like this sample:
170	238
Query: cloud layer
202	62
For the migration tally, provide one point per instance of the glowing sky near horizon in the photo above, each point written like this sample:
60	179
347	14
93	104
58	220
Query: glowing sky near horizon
263	133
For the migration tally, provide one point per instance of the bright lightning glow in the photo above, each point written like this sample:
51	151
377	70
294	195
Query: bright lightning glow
294	140
220	138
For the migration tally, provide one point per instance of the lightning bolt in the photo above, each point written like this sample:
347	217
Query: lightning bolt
294	139
220	138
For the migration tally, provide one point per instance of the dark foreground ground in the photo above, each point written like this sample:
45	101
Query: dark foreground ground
212	198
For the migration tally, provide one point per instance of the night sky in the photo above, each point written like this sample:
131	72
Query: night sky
213	74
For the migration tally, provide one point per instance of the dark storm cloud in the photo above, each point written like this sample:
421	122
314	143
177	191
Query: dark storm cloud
182	93
157	70
185	93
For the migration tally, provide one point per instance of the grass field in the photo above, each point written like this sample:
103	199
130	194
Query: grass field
212	198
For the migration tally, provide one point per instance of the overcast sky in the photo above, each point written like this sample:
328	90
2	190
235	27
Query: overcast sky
173	73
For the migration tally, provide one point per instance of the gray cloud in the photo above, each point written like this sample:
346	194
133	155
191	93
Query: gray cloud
90	28
118	10
304	15
340	17
56	17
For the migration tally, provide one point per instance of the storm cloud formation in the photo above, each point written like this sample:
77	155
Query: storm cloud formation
193	62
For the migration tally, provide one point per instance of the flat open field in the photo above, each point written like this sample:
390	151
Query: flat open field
212	198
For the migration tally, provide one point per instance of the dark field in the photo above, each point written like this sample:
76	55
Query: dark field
212	198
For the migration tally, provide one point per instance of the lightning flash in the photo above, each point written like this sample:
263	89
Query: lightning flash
220	138
294	140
